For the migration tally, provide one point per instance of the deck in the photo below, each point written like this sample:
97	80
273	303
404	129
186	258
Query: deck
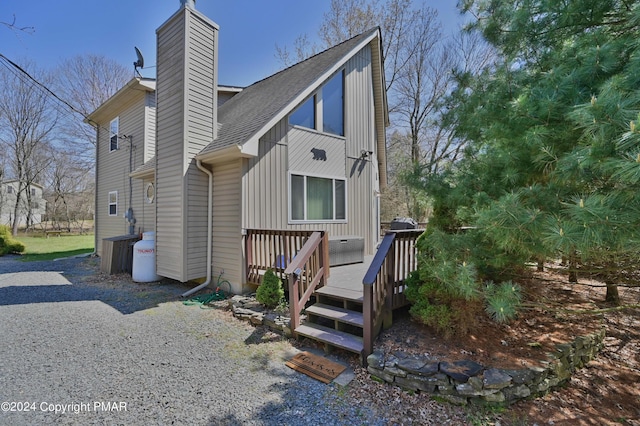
346	306
349	277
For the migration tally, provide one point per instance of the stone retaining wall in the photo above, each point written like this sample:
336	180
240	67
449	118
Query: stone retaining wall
463	382
459	382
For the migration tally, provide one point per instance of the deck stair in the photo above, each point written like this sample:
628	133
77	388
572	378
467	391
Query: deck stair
346	306
336	319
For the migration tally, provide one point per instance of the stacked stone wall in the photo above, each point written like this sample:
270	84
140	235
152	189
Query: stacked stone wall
464	381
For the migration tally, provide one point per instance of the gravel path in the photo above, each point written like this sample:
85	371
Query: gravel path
111	352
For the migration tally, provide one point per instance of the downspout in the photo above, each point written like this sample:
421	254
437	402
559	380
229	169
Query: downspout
209	230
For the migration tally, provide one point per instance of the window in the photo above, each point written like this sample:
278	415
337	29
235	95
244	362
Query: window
113	134
331	97
150	192
113	203
333	106
9	189
305	114
317	199
33	192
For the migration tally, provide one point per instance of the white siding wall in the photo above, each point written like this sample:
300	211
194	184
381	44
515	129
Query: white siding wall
265	178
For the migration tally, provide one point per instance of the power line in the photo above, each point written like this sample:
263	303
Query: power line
49	91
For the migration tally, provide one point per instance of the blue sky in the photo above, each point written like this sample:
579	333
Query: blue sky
249	30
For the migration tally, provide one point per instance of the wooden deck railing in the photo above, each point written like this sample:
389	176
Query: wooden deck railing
383	284
271	249
307	272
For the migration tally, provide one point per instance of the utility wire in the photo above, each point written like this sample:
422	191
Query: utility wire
46	89
19	68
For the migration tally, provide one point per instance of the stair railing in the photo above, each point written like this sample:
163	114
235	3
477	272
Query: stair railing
271	249
383	284
306	272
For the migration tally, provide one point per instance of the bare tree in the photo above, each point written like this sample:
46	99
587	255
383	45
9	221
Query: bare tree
26	124
16	28
86	82
70	199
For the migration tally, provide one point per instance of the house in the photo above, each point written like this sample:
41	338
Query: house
31	207
204	165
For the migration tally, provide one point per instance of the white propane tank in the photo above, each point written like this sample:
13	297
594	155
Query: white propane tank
144	259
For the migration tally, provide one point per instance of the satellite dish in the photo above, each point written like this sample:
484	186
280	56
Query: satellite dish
140	62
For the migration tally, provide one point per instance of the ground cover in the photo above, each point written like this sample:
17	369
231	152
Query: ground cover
605	392
54	247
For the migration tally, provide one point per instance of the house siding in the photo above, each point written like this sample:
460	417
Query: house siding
187	102
285	148
113	170
227	235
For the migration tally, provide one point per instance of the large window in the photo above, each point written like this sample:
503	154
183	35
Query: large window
305	114
331	96
113	134
113	203
317	199
333	106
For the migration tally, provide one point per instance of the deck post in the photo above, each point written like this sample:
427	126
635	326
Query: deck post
325	256
387	309
367	313
293	302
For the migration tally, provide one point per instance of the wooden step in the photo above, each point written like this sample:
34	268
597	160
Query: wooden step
341	293
336	338
338	314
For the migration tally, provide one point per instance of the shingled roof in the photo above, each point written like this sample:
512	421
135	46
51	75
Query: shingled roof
254	110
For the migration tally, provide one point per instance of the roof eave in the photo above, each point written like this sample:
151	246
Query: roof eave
127	91
229	153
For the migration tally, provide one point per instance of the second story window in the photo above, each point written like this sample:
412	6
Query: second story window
333	106
113	134
305	114
33	192
328	117
9	189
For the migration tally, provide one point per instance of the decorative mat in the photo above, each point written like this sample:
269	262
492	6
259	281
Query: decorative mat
315	366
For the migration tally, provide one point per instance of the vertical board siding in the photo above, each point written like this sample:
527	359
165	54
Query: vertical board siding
301	156
227	238
113	170
265	179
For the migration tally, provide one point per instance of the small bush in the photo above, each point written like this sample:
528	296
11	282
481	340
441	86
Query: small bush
270	292
7	243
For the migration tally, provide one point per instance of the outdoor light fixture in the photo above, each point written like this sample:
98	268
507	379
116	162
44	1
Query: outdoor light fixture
364	154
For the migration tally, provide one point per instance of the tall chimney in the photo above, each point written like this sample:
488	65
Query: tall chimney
191	4
186	122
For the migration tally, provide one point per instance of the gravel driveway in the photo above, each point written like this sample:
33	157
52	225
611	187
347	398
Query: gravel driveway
81	348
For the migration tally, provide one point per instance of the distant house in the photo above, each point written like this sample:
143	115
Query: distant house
32	205
203	164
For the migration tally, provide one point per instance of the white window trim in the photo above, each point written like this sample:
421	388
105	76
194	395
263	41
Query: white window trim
291	221
318	118
117	120
109	203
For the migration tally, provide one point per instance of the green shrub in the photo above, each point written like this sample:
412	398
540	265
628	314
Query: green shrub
270	292
7	243
502	300
446	291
